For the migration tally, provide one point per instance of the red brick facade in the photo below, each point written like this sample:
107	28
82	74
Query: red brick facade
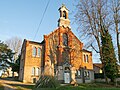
61	50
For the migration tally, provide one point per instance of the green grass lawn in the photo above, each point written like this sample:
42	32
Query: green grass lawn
84	87
24	87
93	86
1	87
90	86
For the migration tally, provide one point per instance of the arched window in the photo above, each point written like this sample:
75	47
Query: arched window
33	71
39	52
34	53
65	39
64	14
78	73
88	74
37	71
85	73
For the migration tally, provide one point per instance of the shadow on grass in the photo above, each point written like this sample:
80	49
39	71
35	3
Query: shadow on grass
1	87
10	79
23	86
92	86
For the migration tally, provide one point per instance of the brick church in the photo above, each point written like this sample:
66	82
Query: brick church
60	54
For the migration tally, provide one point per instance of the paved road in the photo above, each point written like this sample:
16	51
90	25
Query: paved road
11	85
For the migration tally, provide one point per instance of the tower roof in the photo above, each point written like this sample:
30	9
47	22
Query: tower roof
63	6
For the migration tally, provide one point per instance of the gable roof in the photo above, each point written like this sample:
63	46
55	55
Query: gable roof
69	30
25	40
100	65
84	50
63	6
34	42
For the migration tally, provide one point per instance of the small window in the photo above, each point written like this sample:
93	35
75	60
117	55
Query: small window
33	71
37	71
87	59
65	39
78	74
39	52
64	14
87	74
84	58
34	51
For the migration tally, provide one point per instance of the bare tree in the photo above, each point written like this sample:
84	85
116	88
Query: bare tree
15	44
92	15
116	16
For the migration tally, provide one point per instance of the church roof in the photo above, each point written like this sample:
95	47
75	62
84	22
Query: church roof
84	50
100	65
34	41
63	6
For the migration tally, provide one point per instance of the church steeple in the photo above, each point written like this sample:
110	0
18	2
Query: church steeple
63	20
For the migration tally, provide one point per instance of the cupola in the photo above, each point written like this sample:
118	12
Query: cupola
63	20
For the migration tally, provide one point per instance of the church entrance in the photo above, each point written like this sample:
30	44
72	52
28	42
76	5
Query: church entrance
67	75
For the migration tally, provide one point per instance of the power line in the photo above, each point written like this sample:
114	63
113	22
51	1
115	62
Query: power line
41	19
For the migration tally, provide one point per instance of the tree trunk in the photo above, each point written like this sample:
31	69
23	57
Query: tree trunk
118	46
101	58
13	74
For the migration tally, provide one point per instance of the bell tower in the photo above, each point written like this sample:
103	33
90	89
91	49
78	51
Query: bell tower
63	20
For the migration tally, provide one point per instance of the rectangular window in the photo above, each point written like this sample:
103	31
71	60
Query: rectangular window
39	52
87	59
87	74
33	71
78	74
37	71
84	58
34	52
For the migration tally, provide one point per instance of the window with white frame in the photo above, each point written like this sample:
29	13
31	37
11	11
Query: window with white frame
87	59
87	74
39	52
78	74
33	71
37	71
34	52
